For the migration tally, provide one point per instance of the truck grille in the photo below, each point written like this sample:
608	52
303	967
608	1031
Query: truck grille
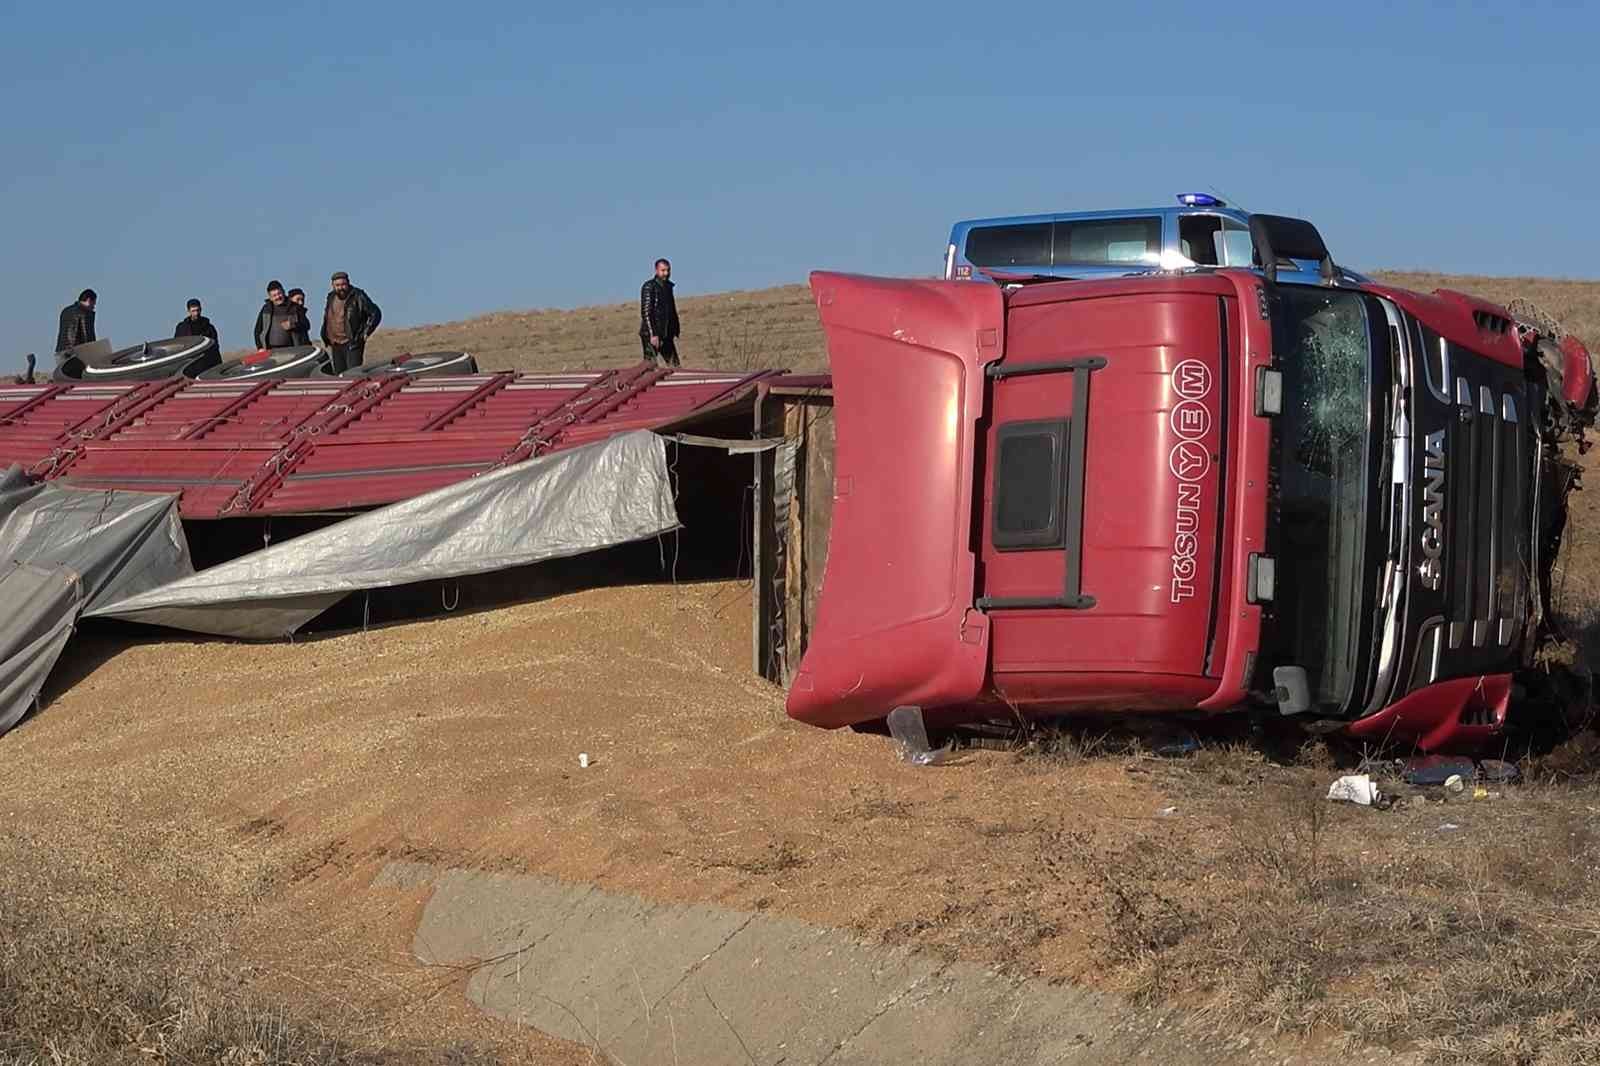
1489	485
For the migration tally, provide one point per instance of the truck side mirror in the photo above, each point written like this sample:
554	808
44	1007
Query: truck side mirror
1292	689
1279	237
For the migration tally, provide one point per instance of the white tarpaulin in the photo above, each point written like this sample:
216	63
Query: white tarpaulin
603	494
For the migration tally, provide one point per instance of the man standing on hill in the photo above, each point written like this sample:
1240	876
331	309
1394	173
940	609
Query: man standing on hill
348	320
278	321
658	317
197	325
77	322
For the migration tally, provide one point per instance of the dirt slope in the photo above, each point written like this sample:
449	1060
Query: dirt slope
778	327
270	783
733	331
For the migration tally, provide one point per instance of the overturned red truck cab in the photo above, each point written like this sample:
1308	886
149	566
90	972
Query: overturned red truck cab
1204	491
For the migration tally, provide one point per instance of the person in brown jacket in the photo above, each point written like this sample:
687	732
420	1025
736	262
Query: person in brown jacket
348	319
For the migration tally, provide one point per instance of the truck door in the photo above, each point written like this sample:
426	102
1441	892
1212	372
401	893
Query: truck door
1103	472
895	623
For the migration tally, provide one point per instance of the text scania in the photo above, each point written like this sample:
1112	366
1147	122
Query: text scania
1432	568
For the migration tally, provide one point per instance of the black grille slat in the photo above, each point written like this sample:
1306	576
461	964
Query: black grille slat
1486	520
1465	484
1510	580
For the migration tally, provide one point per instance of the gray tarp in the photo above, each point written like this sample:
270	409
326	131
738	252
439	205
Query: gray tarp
40	609
63	549
115	554
120	543
596	496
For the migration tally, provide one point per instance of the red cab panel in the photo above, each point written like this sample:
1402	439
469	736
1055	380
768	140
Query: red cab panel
1461	319
1460	714
897	627
1578	380
1154	414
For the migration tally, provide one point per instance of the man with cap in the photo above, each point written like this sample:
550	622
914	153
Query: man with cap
77	322
196	324
278	323
349	318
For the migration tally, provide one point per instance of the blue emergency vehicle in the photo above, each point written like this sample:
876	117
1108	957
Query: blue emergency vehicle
1203	231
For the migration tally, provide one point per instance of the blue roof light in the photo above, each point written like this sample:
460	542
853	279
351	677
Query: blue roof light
1200	199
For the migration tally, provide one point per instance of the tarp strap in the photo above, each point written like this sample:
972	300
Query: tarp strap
733	446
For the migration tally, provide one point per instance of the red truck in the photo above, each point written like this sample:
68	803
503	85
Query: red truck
1203	491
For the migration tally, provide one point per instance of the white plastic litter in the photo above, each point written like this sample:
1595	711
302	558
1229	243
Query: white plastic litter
583	760
1354	788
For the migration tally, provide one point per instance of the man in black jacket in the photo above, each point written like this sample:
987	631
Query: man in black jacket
279	323
348	319
197	325
77	322
658	317
298	298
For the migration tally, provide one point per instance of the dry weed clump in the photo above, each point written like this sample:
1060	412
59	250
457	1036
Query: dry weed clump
1477	944
94	974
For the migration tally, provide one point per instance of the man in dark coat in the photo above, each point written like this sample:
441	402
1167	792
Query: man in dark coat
77	322
279	322
348	319
658	317
196	324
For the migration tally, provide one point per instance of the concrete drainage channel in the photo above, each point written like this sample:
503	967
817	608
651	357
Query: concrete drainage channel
649	983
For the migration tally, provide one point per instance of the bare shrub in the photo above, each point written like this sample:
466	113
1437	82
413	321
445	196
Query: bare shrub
92	974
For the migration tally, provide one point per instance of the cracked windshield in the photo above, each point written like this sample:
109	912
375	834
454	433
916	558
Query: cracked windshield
1322	343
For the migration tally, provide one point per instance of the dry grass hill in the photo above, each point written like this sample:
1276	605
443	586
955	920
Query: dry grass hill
778	327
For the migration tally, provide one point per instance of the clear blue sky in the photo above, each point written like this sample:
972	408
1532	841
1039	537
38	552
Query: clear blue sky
459	158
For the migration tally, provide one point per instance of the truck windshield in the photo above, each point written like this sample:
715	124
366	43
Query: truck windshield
1323	343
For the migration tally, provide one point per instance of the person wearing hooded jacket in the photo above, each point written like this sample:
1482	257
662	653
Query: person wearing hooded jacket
298	298
348	319
77	322
279	323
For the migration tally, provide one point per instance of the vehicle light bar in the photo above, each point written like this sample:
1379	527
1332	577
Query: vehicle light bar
1200	199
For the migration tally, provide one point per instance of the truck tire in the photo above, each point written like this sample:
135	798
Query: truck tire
279	364
149	361
423	364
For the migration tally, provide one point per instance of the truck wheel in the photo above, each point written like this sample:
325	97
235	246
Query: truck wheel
279	364
423	364
149	361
